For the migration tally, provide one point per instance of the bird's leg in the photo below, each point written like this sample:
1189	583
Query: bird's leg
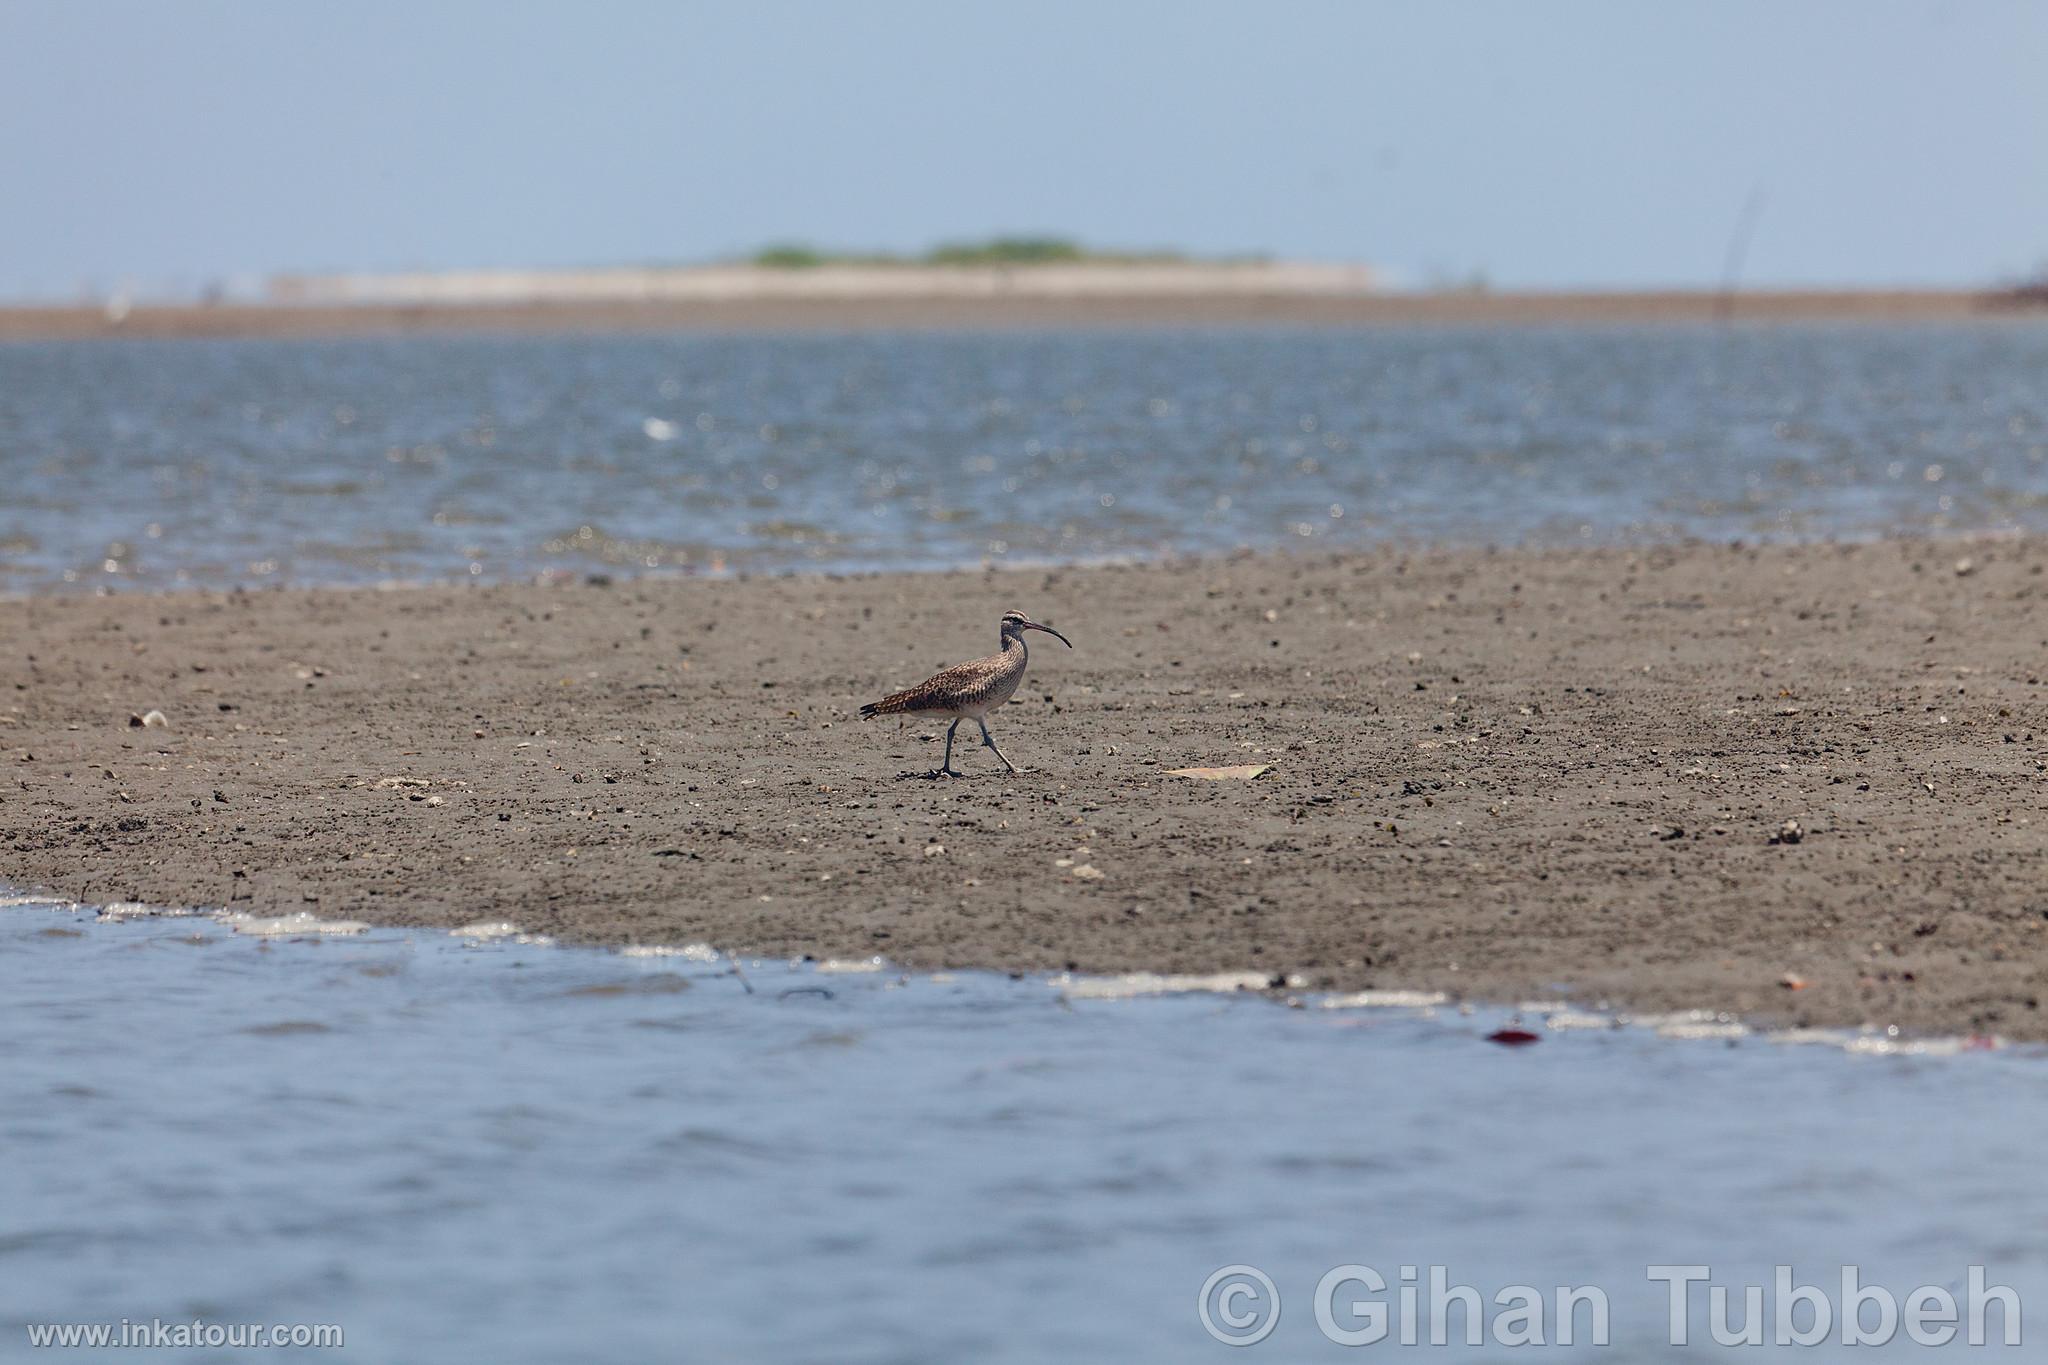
946	764
990	740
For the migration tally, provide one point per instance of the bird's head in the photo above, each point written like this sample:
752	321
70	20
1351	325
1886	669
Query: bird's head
1015	623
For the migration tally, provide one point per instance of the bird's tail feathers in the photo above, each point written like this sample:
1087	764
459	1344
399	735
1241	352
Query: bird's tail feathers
895	704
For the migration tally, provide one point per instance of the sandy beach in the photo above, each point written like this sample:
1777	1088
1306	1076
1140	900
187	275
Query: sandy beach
1802	784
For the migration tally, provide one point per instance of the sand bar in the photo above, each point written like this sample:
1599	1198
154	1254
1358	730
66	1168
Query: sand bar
1505	775
1100	309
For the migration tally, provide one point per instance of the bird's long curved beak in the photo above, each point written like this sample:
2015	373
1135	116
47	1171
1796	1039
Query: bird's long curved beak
1033	625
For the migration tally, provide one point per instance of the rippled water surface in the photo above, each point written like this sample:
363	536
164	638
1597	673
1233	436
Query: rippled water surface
341	461
528	1154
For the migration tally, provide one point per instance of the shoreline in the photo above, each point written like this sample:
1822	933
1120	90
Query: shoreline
24	322
1511	775
1559	1016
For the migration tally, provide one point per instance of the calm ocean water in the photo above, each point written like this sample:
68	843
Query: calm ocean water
512	1153
157	464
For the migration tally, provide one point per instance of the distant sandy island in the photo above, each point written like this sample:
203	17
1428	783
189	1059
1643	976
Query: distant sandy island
1237	306
1804	784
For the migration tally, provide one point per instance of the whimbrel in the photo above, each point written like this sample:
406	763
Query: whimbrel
970	691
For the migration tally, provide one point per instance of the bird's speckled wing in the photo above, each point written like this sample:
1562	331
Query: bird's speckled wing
950	689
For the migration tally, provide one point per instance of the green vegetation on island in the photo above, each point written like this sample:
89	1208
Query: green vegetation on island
993	251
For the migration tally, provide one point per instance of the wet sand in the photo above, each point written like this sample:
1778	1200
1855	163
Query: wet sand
30	323
1506	775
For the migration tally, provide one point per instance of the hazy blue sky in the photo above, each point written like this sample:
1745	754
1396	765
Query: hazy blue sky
1544	144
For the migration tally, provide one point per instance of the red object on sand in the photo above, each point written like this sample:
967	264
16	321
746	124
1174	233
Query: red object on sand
1512	1037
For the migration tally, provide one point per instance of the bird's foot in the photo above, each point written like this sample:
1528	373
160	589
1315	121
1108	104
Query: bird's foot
937	773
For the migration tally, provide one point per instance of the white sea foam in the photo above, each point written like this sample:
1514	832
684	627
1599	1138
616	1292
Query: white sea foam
1384	1000
1133	984
299	923
486	930
1703	1029
863	964
498	931
1883	1045
1564	1020
119	911
689	952
49	902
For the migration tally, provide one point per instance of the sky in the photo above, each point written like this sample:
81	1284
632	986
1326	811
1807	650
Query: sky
157	147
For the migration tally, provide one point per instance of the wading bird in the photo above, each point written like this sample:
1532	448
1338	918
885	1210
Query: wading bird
970	691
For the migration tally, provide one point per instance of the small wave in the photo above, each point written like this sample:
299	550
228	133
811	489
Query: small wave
296	924
1384	1000
499	931
692	952
1133	984
865	964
